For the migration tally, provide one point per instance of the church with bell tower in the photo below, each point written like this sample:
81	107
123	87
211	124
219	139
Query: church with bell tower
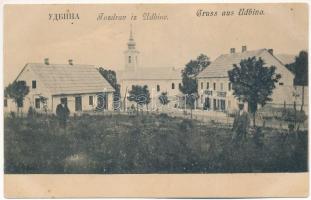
131	54
157	79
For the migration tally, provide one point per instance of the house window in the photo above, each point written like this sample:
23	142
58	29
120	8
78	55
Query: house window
214	86
281	83
221	86
34	84
63	100
207	85
130	59
229	86
201	85
90	100
158	88
5	103
37	103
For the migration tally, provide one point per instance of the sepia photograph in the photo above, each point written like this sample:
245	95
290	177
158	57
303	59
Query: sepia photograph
155	88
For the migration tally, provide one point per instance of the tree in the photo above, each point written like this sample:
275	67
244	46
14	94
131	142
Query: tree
17	91
163	98
140	95
253	83
300	69
111	77
189	86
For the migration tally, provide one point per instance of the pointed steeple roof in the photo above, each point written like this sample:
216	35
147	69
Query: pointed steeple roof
131	43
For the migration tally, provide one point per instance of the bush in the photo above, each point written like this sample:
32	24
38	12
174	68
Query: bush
163	116
290	115
31	112
186	125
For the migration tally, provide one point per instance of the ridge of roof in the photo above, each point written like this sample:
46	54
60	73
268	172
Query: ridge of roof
69	79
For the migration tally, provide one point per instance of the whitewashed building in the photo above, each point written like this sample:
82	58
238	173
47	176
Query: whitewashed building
215	90
158	79
82	87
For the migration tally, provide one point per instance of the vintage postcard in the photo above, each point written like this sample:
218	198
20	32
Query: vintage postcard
156	100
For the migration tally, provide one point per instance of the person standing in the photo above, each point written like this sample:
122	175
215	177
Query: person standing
62	113
241	124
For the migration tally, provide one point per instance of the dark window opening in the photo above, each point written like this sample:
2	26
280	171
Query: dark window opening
34	84
130	59
207	85
63	100
281	83
201	85
158	88
5	103
90	100
214	86
37	103
173	86
229	86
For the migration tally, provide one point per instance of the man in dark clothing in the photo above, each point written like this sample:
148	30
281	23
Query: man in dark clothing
62	113
240	124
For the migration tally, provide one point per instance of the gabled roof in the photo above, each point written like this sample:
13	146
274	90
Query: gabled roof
70	79
148	73
286	58
220	67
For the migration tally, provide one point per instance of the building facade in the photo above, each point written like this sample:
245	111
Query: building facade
158	79
215	89
81	87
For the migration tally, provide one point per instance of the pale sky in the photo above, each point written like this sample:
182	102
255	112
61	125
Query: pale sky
29	36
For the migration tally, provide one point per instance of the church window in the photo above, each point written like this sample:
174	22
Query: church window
130	59
214	86
207	85
173	86
158	88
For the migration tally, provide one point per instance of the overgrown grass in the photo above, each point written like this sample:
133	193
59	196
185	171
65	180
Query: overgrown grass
143	144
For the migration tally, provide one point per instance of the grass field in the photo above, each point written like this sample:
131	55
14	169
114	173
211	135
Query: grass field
143	144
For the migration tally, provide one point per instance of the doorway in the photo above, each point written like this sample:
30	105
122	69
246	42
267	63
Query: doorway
78	103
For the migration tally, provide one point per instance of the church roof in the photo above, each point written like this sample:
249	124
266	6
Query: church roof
148	73
224	63
70	79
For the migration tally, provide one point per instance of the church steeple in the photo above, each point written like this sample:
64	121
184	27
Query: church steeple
131	54
131	44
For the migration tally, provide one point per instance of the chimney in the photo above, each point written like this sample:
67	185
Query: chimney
46	61
244	48
232	50
270	51
70	61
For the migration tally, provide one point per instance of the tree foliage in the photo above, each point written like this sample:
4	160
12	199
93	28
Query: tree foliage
189	85
253	83
111	77
163	98
17	91
140	95
300	69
